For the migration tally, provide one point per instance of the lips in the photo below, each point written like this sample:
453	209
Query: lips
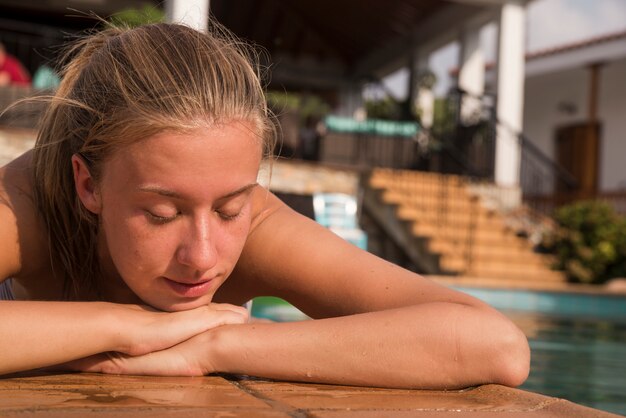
189	290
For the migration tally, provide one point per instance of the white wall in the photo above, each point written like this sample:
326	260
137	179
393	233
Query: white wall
541	105
612	114
542	116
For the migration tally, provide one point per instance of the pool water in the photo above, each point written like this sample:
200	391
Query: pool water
578	342
576	358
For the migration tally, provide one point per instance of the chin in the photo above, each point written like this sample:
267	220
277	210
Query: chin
177	305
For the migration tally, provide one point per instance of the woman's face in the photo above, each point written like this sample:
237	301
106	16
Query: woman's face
176	212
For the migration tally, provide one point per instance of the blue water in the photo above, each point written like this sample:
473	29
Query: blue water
579	359
578	343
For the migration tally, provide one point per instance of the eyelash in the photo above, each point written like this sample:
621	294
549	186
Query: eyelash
229	218
161	220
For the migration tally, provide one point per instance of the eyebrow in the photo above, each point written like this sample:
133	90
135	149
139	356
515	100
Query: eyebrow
169	193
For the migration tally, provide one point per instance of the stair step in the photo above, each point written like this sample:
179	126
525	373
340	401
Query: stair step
427	189
451	205
388	176
433	216
498	253
428	198
443	209
482	254
458	262
518	274
491	240
456	233
457	219
442	244
519	257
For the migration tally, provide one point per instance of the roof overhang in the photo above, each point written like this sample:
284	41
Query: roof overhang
599	50
330	44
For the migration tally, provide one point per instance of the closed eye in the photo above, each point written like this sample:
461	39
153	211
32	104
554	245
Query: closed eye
228	216
158	219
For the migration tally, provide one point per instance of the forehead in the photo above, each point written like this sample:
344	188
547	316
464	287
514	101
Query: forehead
215	158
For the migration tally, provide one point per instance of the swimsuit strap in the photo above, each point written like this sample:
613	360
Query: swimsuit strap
6	290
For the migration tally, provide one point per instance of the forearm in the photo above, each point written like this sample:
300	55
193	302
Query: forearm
433	345
38	334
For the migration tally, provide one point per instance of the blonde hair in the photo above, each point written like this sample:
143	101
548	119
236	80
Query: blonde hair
122	86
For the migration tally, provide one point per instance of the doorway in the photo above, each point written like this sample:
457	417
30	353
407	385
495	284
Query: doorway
577	151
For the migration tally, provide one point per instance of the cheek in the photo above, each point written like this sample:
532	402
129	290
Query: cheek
232	238
133	246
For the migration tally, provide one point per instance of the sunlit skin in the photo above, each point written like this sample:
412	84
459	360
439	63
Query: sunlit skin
184	225
183	237
175	212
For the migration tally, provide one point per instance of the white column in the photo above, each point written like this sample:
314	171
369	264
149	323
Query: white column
426	106
510	102
471	74
425	101
193	13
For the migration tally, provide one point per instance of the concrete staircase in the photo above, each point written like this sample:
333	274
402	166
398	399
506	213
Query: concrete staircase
448	229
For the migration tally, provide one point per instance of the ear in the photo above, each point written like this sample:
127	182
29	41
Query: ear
85	185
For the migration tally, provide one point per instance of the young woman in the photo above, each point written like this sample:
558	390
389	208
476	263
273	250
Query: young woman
135	230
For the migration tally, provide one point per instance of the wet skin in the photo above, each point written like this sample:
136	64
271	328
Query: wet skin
175	212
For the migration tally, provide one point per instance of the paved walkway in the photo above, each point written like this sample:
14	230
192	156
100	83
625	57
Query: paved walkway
80	395
14	142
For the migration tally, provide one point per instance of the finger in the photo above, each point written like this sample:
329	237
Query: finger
222	307
227	317
169	329
227	306
158	363
186	324
208	315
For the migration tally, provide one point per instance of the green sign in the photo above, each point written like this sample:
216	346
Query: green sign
371	126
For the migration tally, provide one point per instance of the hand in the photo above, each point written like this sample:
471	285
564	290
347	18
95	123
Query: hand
153	330
189	358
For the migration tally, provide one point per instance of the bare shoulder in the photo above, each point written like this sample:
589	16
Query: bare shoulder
293	257
22	247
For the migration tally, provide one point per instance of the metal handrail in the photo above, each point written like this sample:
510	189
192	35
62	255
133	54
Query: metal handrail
565	176
522	139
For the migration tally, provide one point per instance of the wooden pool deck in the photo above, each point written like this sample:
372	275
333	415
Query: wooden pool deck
87	395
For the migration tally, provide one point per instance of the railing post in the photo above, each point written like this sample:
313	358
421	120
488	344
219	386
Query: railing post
471	228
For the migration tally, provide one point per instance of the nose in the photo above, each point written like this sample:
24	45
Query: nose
197	248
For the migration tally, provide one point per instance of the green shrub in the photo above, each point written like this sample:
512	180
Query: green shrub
305	105
590	242
133	17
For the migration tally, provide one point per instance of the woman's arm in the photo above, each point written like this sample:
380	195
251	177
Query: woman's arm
433	345
386	326
383	326
428	346
40	334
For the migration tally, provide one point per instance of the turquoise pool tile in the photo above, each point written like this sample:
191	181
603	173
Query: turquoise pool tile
552	302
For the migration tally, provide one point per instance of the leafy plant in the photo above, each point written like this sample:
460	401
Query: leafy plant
444	116
386	108
136	17
305	105
590	242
